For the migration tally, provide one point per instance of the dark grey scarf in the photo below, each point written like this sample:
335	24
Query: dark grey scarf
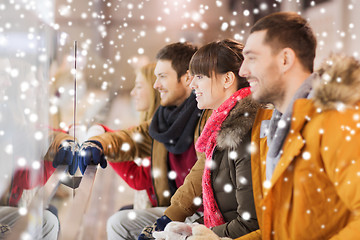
175	126
280	125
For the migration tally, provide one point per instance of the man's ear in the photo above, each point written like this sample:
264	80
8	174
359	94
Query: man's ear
188	78
228	79
287	58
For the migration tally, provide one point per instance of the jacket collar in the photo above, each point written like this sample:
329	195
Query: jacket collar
304	110
338	84
237	124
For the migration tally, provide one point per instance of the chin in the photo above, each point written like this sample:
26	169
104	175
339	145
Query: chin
255	96
164	103
201	106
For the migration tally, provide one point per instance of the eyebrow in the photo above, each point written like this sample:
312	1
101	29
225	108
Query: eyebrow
246	52
160	73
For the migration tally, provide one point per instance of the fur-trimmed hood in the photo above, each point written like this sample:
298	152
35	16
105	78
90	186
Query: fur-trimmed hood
237	124
338	83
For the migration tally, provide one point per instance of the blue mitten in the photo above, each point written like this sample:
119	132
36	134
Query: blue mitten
67	154
91	152
159	225
162	222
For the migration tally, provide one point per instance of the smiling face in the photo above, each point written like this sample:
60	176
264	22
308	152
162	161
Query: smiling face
210	93
172	92
141	93
261	68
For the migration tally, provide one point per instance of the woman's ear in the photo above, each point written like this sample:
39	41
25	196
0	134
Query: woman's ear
229	79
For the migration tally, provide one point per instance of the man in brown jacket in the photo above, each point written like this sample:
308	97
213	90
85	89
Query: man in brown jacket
168	138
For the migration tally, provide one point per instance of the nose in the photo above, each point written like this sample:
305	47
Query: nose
192	84
244	70
132	93
156	84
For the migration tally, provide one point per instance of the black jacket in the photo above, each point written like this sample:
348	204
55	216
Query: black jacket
231	177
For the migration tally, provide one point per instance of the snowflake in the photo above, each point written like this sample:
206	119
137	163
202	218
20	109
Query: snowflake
210	165
26	236
23	211
156	173
224	26
125	147
251	148
228	188
281	124
21	162
267	184
38	135
233	155
172	175
197	201
246	216
9	149
121	188
356	117
340	106
243	180
145	162
36	165
131	215
306	155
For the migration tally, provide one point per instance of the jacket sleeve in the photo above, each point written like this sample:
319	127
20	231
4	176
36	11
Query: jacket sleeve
341	155
255	235
125	145
182	202
246	220
137	177
56	138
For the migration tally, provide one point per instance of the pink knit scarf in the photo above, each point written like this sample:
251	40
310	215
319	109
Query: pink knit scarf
206	143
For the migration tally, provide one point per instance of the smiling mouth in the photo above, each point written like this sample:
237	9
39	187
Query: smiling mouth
253	83
162	93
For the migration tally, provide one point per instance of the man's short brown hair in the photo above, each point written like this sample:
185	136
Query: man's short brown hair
179	54
288	29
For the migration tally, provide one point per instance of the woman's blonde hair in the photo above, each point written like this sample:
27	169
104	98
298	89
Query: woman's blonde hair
147	72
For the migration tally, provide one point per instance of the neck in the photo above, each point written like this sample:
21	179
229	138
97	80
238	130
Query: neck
228	93
186	96
293	82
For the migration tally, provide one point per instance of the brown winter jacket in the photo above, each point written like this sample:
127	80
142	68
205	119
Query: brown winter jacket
140	144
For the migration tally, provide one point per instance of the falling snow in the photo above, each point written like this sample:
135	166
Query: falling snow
246	215
197	201
114	38
125	147
132	215
306	155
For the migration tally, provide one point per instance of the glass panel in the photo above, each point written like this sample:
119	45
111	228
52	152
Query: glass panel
26	52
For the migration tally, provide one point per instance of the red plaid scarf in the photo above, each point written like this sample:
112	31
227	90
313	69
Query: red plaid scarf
206	143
